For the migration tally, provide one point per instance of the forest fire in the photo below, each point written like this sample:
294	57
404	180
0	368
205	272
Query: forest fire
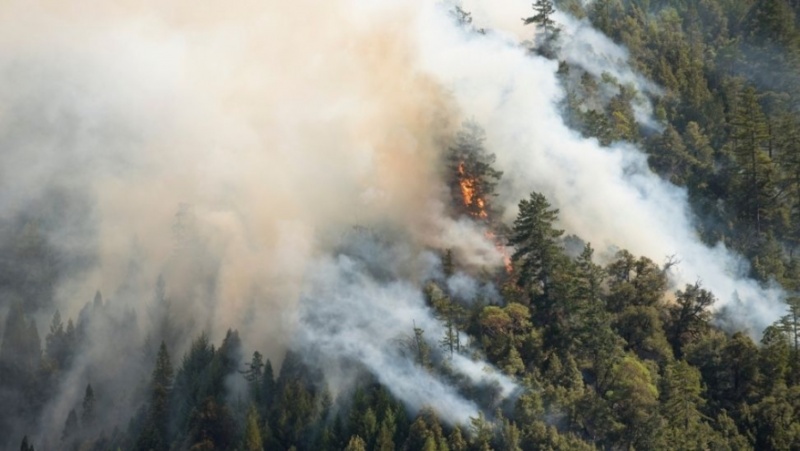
503	249
476	205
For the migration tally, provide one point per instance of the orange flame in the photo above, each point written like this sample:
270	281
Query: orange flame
471	198
502	249
467	185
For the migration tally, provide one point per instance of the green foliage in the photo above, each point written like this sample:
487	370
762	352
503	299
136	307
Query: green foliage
252	431
607	357
537	252
689	316
356	443
543	18
154	434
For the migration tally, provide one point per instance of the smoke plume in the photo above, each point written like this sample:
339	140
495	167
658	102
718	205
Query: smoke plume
225	146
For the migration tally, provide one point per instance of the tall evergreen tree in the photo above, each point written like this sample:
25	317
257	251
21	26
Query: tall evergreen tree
750	136
252	432
154	434
790	323
544	17
689	316
88	414
537	250
71	428
25	445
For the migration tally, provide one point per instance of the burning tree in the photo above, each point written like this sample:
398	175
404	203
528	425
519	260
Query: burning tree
472	179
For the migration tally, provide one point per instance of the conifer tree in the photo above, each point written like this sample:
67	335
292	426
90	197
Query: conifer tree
470	175
254	375
419	347
356	443
70	427
252	433
544	16
88	414
790	323
385	439
750	135
25	445
683	396
537	250
268	385
456	440
55	341
689	317
154	434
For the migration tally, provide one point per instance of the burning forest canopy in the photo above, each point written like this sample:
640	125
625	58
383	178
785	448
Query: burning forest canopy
399	225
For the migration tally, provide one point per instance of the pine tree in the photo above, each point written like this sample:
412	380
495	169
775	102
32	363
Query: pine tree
790	323
368	426
774	357
25	445
419	347
154	434
252	433
55	341
356	443
537	250
544	16
385	439
70	427
451	315
471	177
456	440
750	135
482	432
689	317
254	375
88	413
683	396
268	385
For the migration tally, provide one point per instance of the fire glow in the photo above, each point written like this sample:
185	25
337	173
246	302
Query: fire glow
476	207
468	192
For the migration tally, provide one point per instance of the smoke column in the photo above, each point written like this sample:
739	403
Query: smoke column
607	196
221	146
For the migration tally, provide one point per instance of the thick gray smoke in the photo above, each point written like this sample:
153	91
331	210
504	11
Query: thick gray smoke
220	144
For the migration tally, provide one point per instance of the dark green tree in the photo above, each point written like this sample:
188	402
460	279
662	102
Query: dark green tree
543	17
689	317
254	375
537	249
750	136
154	433
790	323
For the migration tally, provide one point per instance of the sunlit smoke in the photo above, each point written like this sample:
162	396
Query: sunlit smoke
222	146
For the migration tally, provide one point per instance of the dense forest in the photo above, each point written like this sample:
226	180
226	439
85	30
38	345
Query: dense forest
601	353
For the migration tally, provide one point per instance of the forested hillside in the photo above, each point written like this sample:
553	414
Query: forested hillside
511	333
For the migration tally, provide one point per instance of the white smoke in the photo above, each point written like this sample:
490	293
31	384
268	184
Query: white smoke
285	122
583	46
607	196
360	307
